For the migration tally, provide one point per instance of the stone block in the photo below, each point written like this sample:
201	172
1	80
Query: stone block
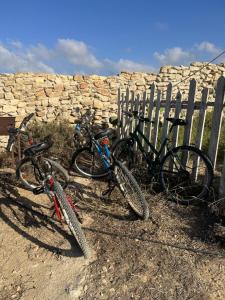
98	104
9	96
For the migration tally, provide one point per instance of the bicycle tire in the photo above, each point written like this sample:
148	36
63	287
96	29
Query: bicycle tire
131	190
71	219
122	151
193	191
35	181
84	160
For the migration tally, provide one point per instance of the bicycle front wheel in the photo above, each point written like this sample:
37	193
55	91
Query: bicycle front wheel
131	190
88	163
123	151
71	219
30	176
186	174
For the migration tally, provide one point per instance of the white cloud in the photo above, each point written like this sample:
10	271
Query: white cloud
41	52
15	62
204	51
208	47
72	56
77	53
68	56
174	56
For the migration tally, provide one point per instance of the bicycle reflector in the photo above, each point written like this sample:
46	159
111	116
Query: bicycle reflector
104	141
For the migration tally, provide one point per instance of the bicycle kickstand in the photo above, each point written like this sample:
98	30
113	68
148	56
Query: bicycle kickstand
109	190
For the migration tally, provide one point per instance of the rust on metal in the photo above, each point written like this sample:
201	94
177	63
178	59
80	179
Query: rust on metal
5	123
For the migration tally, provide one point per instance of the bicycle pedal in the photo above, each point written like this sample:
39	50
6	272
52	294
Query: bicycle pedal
38	190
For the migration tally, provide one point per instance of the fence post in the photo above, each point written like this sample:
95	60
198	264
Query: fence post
190	112
131	109
136	108
166	115
177	115
216	120
126	118
122	115
143	111
156	120
150	112
200	129
119	111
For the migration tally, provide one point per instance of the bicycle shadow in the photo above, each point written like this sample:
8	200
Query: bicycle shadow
24	219
93	202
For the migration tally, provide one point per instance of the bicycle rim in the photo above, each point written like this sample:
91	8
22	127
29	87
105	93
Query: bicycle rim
131	190
186	175
90	164
71	219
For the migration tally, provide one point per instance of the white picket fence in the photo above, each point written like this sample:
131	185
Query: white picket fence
151	103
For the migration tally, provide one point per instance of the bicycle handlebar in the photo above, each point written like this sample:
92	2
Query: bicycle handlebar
26	120
140	117
14	131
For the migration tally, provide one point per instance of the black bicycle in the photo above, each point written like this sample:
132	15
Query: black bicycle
43	171
185	172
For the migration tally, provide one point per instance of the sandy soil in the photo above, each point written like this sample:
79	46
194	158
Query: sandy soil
171	256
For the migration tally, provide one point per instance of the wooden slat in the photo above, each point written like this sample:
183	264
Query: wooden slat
217	120
176	115
190	111
143	107
136	108
132	104
166	115
200	129
150	111
156	120
126	108
189	119
122	115
222	181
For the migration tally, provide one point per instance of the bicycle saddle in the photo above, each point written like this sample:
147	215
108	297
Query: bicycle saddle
176	122
108	132
35	149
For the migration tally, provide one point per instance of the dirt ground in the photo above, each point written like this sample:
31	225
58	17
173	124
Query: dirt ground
173	255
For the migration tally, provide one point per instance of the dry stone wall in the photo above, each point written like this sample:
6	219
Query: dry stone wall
51	95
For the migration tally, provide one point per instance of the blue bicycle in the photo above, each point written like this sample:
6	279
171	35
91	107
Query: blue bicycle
95	160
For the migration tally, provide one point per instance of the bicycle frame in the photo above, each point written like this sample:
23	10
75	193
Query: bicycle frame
135	137
104	157
48	188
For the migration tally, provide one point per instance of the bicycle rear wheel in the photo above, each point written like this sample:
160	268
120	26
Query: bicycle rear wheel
71	219
131	190
30	177
88	163
186	174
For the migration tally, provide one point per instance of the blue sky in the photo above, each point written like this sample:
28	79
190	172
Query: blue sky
105	37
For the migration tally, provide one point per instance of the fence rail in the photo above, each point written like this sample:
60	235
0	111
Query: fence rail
194	112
